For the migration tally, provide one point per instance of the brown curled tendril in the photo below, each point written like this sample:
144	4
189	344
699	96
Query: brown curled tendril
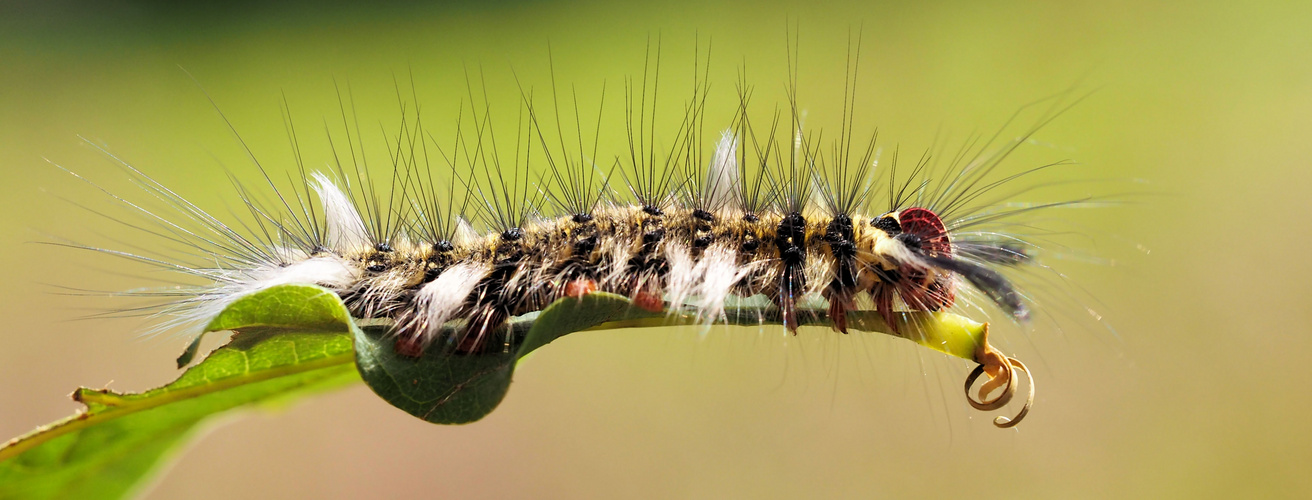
1002	373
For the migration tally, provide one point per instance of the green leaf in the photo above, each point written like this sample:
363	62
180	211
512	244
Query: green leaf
291	340
447	388
296	339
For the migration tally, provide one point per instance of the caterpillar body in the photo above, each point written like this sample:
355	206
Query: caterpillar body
653	255
760	213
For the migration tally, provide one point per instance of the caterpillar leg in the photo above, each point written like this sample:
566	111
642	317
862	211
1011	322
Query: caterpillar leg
840	303
883	296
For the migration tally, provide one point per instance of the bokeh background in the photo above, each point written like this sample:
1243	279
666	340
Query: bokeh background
1195	384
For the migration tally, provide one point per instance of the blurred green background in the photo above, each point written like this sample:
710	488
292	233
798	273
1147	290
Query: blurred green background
1202	390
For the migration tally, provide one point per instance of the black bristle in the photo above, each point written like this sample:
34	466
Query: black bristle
888	225
986	280
912	241
585	246
653	237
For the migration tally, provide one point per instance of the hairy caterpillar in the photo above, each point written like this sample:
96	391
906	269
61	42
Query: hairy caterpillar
767	210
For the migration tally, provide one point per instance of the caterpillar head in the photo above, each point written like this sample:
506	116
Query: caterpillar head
921	229
924	236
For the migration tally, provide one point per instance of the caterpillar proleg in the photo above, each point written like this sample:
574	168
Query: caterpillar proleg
479	227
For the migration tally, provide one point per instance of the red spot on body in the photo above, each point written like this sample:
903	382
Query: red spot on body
649	301
580	287
469	343
409	346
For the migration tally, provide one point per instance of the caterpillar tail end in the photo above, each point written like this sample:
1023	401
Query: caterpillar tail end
1001	371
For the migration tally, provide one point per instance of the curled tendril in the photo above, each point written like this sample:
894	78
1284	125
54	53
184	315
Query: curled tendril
1002	374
